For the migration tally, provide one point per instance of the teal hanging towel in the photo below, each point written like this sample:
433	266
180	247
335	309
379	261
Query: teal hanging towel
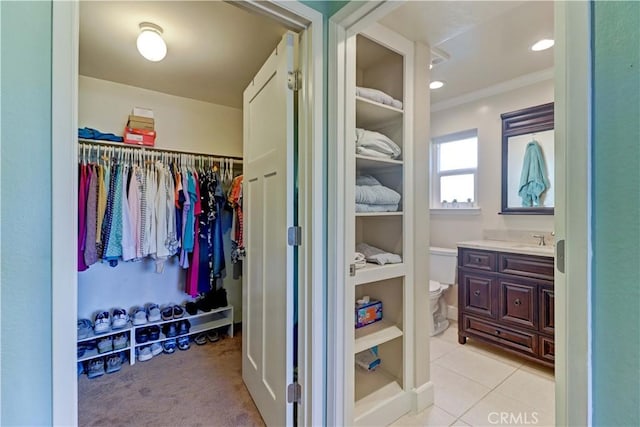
533	180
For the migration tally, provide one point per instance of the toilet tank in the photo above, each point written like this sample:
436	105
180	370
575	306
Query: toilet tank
443	262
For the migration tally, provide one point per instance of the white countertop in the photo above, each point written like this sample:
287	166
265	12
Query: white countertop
512	247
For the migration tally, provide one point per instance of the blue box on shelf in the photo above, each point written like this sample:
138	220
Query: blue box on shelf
367	313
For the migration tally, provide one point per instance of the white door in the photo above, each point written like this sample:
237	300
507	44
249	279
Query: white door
268	201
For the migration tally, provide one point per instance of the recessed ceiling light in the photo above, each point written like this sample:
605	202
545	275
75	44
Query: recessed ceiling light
542	45
436	84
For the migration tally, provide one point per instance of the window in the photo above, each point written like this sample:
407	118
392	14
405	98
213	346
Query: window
454	171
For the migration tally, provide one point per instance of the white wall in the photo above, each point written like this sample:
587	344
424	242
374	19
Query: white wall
183	124
484	114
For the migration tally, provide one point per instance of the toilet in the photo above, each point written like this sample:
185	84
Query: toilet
443	263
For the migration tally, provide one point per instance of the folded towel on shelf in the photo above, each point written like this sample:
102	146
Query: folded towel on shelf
359	260
364	207
378	96
377	255
375	144
370	191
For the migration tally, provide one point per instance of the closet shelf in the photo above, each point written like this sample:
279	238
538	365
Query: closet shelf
374	389
195	329
94	336
374	272
375	163
372	115
186	317
154	149
375	334
92	354
395	213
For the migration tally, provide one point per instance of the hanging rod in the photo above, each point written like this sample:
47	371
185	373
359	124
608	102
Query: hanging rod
145	148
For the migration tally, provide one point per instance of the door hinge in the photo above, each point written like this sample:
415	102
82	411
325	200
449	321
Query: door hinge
294	393
294	236
352	270
294	80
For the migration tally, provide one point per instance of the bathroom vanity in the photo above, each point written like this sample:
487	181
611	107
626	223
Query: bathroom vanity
505	297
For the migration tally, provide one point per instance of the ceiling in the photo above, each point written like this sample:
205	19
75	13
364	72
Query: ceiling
487	41
215	48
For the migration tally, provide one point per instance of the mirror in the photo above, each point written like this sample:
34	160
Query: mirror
528	161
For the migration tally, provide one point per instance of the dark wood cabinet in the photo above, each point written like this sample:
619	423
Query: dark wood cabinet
506	300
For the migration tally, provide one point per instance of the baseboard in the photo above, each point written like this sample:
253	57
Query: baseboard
423	397
452	313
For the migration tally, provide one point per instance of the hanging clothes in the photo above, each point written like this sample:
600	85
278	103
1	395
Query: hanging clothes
90	251
82	215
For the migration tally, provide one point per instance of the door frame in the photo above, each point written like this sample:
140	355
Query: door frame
572	133
311	190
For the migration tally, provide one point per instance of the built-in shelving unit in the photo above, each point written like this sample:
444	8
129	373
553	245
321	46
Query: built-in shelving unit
382	60
200	322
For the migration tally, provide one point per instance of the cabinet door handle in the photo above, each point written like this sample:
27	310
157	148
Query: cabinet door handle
476	293
517	301
497	332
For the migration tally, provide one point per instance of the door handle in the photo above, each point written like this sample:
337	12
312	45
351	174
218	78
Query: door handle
560	255
517	301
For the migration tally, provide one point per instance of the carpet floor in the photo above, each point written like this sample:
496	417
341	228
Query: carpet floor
198	387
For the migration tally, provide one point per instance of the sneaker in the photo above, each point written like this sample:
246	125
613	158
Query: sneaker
80	368
96	368
139	316
119	318
183	343
170	330
167	313
142	335
113	363
120	341
200	339
156	348
102	322
169	346
220	298
178	312
153	312
183	327
144	353
203	304
84	328
213	336
154	332
105	345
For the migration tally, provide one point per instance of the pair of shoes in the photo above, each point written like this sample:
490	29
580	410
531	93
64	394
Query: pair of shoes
144	353
105	345
119	318
170	330
183	343
156	348
213	299
213	336
114	363
169	346
151	333
102	322
183	327
139	315
120	341
172	311
191	307
95	368
153	312
85	328
87	346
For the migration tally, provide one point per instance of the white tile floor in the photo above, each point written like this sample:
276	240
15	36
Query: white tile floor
477	385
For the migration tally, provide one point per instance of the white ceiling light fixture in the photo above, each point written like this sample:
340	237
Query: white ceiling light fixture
436	84
150	43
542	45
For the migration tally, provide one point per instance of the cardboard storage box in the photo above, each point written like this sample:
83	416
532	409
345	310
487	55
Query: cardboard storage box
139	136
140	122
368	313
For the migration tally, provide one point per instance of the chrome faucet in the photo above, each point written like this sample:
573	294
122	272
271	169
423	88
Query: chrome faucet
541	237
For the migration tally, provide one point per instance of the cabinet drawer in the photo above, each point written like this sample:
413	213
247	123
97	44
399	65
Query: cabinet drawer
547	348
477	259
526	265
518	303
477	293
525	342
547	318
